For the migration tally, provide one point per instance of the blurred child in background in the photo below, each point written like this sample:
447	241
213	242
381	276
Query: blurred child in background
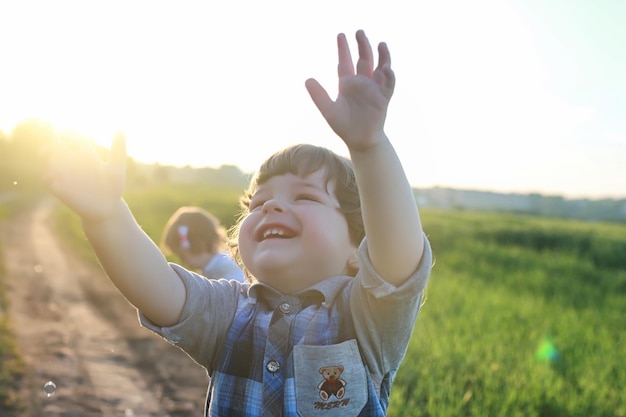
198	239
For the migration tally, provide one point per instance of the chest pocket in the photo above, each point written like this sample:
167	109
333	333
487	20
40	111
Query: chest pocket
330	380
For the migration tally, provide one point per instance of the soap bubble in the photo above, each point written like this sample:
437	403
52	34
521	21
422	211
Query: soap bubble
49	388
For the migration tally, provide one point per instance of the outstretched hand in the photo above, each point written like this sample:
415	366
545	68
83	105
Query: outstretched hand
78	177
358	114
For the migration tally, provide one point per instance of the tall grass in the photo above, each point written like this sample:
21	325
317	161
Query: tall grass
502	286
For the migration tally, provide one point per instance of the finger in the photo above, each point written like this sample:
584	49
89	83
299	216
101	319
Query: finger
365	64
58	168
118	150
384	75
318	94
386	79
384	57
345	66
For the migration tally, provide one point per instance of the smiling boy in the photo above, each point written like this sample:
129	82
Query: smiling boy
334	249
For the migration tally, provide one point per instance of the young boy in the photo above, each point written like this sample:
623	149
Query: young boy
338	272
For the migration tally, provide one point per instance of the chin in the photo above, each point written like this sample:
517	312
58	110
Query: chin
275	282
271	262
272	274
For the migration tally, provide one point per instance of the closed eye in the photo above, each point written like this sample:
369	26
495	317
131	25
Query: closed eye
307	197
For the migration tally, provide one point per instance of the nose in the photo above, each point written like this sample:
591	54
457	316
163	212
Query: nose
273	204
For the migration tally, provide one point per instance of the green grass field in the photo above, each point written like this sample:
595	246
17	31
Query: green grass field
524	316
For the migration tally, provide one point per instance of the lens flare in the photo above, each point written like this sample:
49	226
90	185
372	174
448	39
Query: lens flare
546	352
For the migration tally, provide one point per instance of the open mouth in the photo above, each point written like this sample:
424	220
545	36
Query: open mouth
276	233
273	233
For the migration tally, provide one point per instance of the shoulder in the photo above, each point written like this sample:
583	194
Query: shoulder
222	265
376	284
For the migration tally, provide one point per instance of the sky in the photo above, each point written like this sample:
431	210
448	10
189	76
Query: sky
493	95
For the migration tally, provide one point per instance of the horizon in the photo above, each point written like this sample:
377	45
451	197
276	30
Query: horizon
429	187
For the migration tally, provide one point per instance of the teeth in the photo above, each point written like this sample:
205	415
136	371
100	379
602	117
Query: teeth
273	232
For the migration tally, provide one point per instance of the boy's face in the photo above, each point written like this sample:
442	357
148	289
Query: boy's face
295	234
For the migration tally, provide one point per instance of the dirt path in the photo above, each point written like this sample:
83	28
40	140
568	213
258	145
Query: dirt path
75	330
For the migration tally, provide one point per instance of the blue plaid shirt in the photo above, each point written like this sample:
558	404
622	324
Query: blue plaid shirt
330	350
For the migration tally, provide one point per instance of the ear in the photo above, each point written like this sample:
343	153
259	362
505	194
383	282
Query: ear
353	262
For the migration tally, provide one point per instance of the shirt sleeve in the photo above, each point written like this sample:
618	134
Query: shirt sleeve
384	315
208	311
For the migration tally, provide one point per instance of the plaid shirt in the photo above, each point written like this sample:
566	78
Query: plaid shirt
330	350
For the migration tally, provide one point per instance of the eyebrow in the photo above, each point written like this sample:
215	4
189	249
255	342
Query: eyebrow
315	186
301	183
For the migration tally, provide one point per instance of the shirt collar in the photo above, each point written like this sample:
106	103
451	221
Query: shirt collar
324	291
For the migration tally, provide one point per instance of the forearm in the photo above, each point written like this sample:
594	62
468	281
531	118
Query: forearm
390	214
136	266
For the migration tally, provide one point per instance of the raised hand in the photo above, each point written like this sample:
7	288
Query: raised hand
358	114
78	177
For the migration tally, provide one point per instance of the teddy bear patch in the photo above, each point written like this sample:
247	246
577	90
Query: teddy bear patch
332	384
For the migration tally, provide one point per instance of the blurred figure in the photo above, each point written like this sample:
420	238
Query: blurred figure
198	239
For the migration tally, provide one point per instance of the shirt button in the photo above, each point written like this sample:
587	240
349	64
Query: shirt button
285	308
273	366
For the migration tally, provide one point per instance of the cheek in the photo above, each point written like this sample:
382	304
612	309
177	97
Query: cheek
332	233
245	234
338	227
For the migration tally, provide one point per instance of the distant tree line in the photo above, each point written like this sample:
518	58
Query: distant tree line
612	210
22	156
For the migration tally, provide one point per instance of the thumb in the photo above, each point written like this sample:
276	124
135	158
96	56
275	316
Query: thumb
318	94
118	151
117	158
